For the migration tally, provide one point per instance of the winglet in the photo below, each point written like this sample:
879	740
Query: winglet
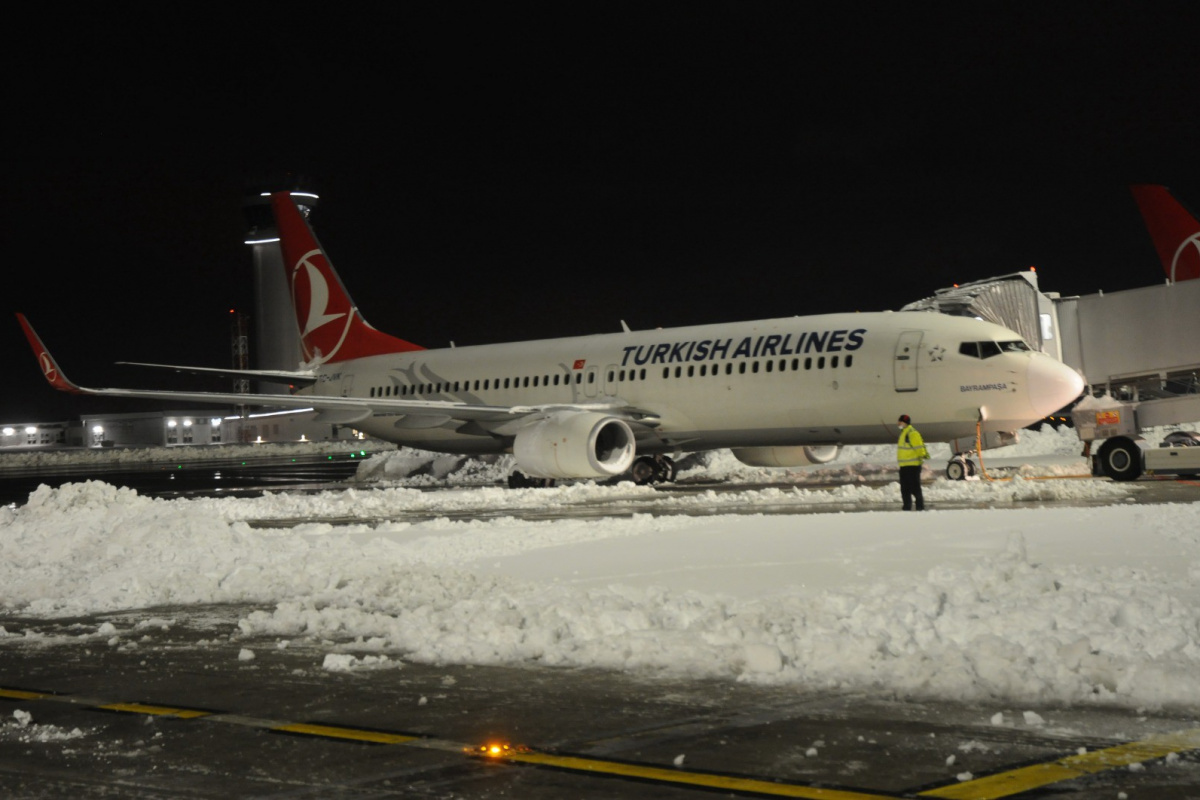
46	361
1175	231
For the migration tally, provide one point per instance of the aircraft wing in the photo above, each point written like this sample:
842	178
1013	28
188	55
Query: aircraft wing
298	378
334	409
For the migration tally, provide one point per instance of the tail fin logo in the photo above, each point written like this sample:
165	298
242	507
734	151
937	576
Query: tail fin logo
319	345
49	368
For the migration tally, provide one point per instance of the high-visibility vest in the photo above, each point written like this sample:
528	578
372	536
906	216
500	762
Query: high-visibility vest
910	450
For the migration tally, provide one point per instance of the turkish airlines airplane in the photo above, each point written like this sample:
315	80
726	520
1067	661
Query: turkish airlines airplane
779	392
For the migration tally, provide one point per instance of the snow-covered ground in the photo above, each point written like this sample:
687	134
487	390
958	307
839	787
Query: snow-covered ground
1052	603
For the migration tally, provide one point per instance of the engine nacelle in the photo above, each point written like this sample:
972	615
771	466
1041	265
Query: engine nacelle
787	456
575	444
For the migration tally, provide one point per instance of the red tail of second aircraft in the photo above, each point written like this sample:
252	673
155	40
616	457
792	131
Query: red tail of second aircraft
1175	231
331	327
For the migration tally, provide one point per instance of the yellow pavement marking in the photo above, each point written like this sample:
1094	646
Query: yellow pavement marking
990	787
337	732
1005	784
680	777
155	711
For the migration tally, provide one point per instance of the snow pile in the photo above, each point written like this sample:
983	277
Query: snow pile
1083	604
21	728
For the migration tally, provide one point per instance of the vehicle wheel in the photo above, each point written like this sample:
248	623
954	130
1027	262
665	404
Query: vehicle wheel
1121	459
970	468
956	470
1182	439
644	470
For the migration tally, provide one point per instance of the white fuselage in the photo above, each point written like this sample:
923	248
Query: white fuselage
829	379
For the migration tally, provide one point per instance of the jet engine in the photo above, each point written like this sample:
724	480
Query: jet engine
787	456
574	444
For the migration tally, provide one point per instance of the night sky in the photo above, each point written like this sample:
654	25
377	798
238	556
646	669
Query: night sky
548	170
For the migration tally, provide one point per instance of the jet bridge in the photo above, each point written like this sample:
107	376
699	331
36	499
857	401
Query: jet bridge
1138	350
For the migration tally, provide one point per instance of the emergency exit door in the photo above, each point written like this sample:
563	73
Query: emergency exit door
908	346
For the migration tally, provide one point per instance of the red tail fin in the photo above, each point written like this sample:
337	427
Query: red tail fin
331	327
1176	233
46	361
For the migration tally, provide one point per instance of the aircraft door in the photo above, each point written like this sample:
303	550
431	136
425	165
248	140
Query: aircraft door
347	383
908	346
610	380
591	378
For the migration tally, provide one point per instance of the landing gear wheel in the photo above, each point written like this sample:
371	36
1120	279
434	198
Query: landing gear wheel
643	470
653	469
957	470
519	480
669	470
960	468
1121	459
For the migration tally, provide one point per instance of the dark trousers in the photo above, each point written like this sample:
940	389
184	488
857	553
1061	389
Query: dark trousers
910	487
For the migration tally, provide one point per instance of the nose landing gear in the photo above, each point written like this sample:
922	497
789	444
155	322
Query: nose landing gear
960	467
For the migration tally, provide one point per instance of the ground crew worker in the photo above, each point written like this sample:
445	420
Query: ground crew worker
910	453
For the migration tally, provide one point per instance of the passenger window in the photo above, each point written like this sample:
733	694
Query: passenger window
578	378
754	367
821	362
849	360
742	368
808	363
666	372
833	362
729	368
691	371
770	366
643	375
678	371
591	377
703	370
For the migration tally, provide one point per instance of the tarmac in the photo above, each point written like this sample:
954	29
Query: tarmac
177	704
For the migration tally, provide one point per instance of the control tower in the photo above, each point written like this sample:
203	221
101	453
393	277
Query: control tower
277	341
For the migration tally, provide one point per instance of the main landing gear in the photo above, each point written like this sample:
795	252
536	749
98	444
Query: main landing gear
519	480
960	467
653	469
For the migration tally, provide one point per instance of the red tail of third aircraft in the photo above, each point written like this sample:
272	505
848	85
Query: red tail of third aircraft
1175	231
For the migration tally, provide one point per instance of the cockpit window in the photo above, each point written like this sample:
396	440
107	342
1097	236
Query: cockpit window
989	349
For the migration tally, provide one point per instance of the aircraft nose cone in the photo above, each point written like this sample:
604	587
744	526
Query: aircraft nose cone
1052	385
